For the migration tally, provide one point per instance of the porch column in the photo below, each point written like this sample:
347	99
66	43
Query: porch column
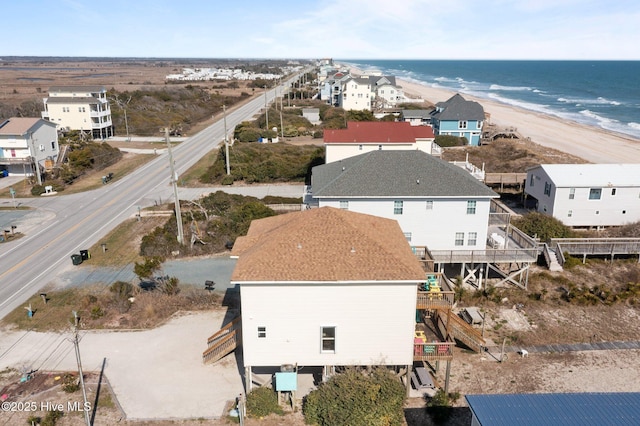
408	383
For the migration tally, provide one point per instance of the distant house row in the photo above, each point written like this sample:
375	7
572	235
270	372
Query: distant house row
361	92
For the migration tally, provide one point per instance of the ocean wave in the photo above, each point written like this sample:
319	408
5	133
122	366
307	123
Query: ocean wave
598	118
633	125
588	101
510	88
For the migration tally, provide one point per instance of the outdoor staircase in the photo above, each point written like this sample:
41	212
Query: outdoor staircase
460	330
62	155
552	259
223	342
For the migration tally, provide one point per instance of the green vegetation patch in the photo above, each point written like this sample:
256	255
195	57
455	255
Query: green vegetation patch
357	398
264	163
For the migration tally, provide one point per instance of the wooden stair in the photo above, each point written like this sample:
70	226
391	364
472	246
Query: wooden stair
460	330
223	342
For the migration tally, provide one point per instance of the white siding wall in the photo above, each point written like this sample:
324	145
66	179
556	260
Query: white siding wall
609	210
73	119
435	228
340	151
356	96
534	186
374	323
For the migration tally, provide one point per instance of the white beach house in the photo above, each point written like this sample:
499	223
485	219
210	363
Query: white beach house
586	195
326	287
437	204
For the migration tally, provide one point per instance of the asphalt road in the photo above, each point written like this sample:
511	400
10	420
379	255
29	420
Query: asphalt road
78	221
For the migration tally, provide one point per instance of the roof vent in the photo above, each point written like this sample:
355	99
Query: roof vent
418	181
343	168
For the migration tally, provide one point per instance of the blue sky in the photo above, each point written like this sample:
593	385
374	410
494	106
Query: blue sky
342	29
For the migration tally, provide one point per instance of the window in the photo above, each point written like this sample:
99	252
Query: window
613	191
359	147
472	238
344	205
407	235
570	213
397	207
572	193
430	205
471	207
328	339
379	147
459	238
53	145
478	124
41	147
530	181
595	193
462	124
262	332
597	211
547	188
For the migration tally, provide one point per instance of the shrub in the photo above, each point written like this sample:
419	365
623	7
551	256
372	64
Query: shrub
356	398
70	383
52	417
96	312
543	226
37	190
448	141
263	401
439	406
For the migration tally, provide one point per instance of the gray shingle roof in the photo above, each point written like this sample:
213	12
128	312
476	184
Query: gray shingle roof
395	174
416	113
458	108
70	100
90	89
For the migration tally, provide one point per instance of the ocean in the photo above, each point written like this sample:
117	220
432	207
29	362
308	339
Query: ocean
605	94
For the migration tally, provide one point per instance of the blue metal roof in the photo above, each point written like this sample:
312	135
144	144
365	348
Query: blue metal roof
602	409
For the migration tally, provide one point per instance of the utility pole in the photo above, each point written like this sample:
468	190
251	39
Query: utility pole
76	343
226	142
281	126
123	106
174	181
35	159
265	106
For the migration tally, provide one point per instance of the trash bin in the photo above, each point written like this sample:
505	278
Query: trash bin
85	254
76	259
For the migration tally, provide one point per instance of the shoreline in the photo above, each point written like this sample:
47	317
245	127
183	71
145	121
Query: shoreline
590	143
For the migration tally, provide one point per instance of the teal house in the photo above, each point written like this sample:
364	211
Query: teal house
459	117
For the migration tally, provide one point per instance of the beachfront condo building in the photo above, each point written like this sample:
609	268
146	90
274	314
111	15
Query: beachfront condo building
82	108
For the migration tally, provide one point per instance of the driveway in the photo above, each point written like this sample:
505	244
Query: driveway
155	374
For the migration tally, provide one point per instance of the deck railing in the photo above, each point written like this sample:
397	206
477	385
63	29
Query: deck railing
222	342
433	351
435	300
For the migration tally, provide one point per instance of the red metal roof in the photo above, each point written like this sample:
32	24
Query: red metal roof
377	132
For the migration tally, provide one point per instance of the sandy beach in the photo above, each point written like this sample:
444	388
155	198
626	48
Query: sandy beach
590	143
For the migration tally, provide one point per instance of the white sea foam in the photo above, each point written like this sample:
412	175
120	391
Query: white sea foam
588	101
510	88
598	118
